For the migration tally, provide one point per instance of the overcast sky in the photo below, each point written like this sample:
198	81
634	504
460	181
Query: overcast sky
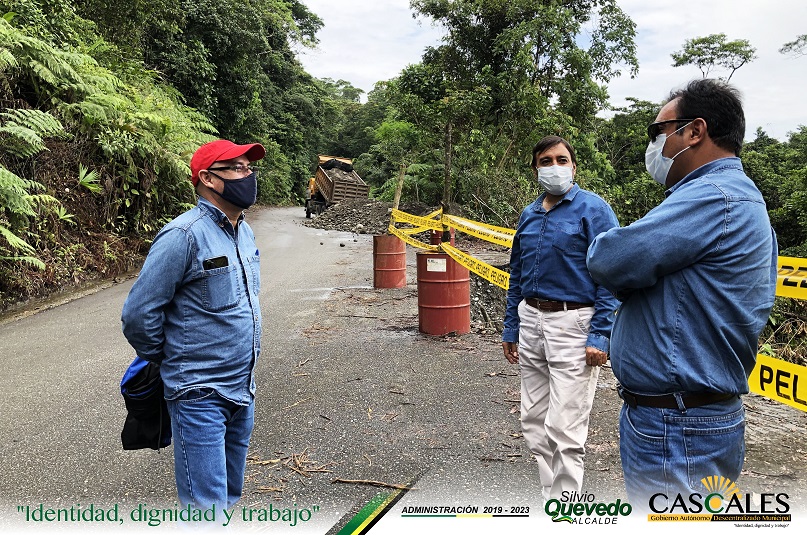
365	41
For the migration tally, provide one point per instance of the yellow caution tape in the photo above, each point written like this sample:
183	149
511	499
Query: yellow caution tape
481	231
779	380
486	271
773	378
416	230
412	241
500	230
403	217
436	214
792	279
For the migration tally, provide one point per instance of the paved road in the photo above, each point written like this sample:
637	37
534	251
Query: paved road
347	389
346	386
61	409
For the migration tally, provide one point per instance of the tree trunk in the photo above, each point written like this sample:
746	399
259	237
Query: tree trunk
447	169
399	188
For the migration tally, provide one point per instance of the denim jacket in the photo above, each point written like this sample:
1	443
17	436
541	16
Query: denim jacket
697	276
548	260
201	321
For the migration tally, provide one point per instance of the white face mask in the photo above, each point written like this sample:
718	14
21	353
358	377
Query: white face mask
656	163
556	179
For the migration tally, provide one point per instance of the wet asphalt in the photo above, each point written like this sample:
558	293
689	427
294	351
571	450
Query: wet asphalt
349	393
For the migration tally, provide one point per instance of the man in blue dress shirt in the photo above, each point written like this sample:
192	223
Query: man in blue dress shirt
194	310
558	320
697	277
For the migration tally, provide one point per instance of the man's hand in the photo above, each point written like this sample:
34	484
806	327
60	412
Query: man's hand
595	357
510	352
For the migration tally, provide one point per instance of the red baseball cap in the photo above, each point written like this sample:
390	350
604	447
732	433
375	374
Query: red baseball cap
221	149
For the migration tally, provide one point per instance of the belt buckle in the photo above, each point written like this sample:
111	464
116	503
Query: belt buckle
627	397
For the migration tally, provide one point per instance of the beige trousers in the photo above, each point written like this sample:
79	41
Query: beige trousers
557	391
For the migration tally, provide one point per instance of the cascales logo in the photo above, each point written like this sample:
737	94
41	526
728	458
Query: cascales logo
581	508
722	500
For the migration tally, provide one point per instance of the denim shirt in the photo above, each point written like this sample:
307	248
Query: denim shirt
548	260
697	276
203	326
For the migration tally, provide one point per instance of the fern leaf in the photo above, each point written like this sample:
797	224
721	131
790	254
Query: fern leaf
23	142
30	260
16	243
14	196
42	122
44	199
7	59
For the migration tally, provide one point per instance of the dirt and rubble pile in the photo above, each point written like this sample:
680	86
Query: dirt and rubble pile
488	303
368	216
339	175
362	216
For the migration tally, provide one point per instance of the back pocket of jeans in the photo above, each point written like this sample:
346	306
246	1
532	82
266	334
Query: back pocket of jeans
717	448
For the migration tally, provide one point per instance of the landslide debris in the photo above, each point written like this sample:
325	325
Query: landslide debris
368	216
362	216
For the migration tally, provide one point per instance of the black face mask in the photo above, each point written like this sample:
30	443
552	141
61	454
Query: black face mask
242	192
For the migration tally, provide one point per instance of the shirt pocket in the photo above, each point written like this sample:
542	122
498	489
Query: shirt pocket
220	288
569	238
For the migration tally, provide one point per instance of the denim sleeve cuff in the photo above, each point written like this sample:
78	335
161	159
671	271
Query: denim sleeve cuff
510	335
598	341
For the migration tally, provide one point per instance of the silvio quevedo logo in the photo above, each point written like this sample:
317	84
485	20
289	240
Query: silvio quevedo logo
721	501
583	508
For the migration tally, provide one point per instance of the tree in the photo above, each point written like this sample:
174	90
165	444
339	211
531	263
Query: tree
93	155
796	48
235	63
506	74
340	109
714	51
507	45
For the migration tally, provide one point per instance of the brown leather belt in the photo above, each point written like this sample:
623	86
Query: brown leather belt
669	401
555	306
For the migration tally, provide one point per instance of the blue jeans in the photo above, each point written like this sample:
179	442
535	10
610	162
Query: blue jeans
669	451
211	438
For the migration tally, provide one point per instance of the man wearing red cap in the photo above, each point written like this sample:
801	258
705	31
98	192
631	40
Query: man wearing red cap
194	310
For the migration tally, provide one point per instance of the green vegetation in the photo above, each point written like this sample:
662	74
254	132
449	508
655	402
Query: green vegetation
102	103
714	51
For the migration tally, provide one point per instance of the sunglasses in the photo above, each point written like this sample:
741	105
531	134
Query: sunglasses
239	168
654	129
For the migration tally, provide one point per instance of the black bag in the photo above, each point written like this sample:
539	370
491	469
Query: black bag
147	424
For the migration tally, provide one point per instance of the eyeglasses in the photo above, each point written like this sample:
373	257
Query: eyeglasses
239	168
654	129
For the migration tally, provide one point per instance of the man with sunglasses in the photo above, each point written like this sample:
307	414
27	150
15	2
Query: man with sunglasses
194	310
697	278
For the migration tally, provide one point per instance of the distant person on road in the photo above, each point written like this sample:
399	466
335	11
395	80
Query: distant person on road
558	320
194	310
697	278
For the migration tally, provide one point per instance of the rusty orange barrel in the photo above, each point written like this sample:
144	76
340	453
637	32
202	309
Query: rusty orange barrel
389	262
436	237
444	295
